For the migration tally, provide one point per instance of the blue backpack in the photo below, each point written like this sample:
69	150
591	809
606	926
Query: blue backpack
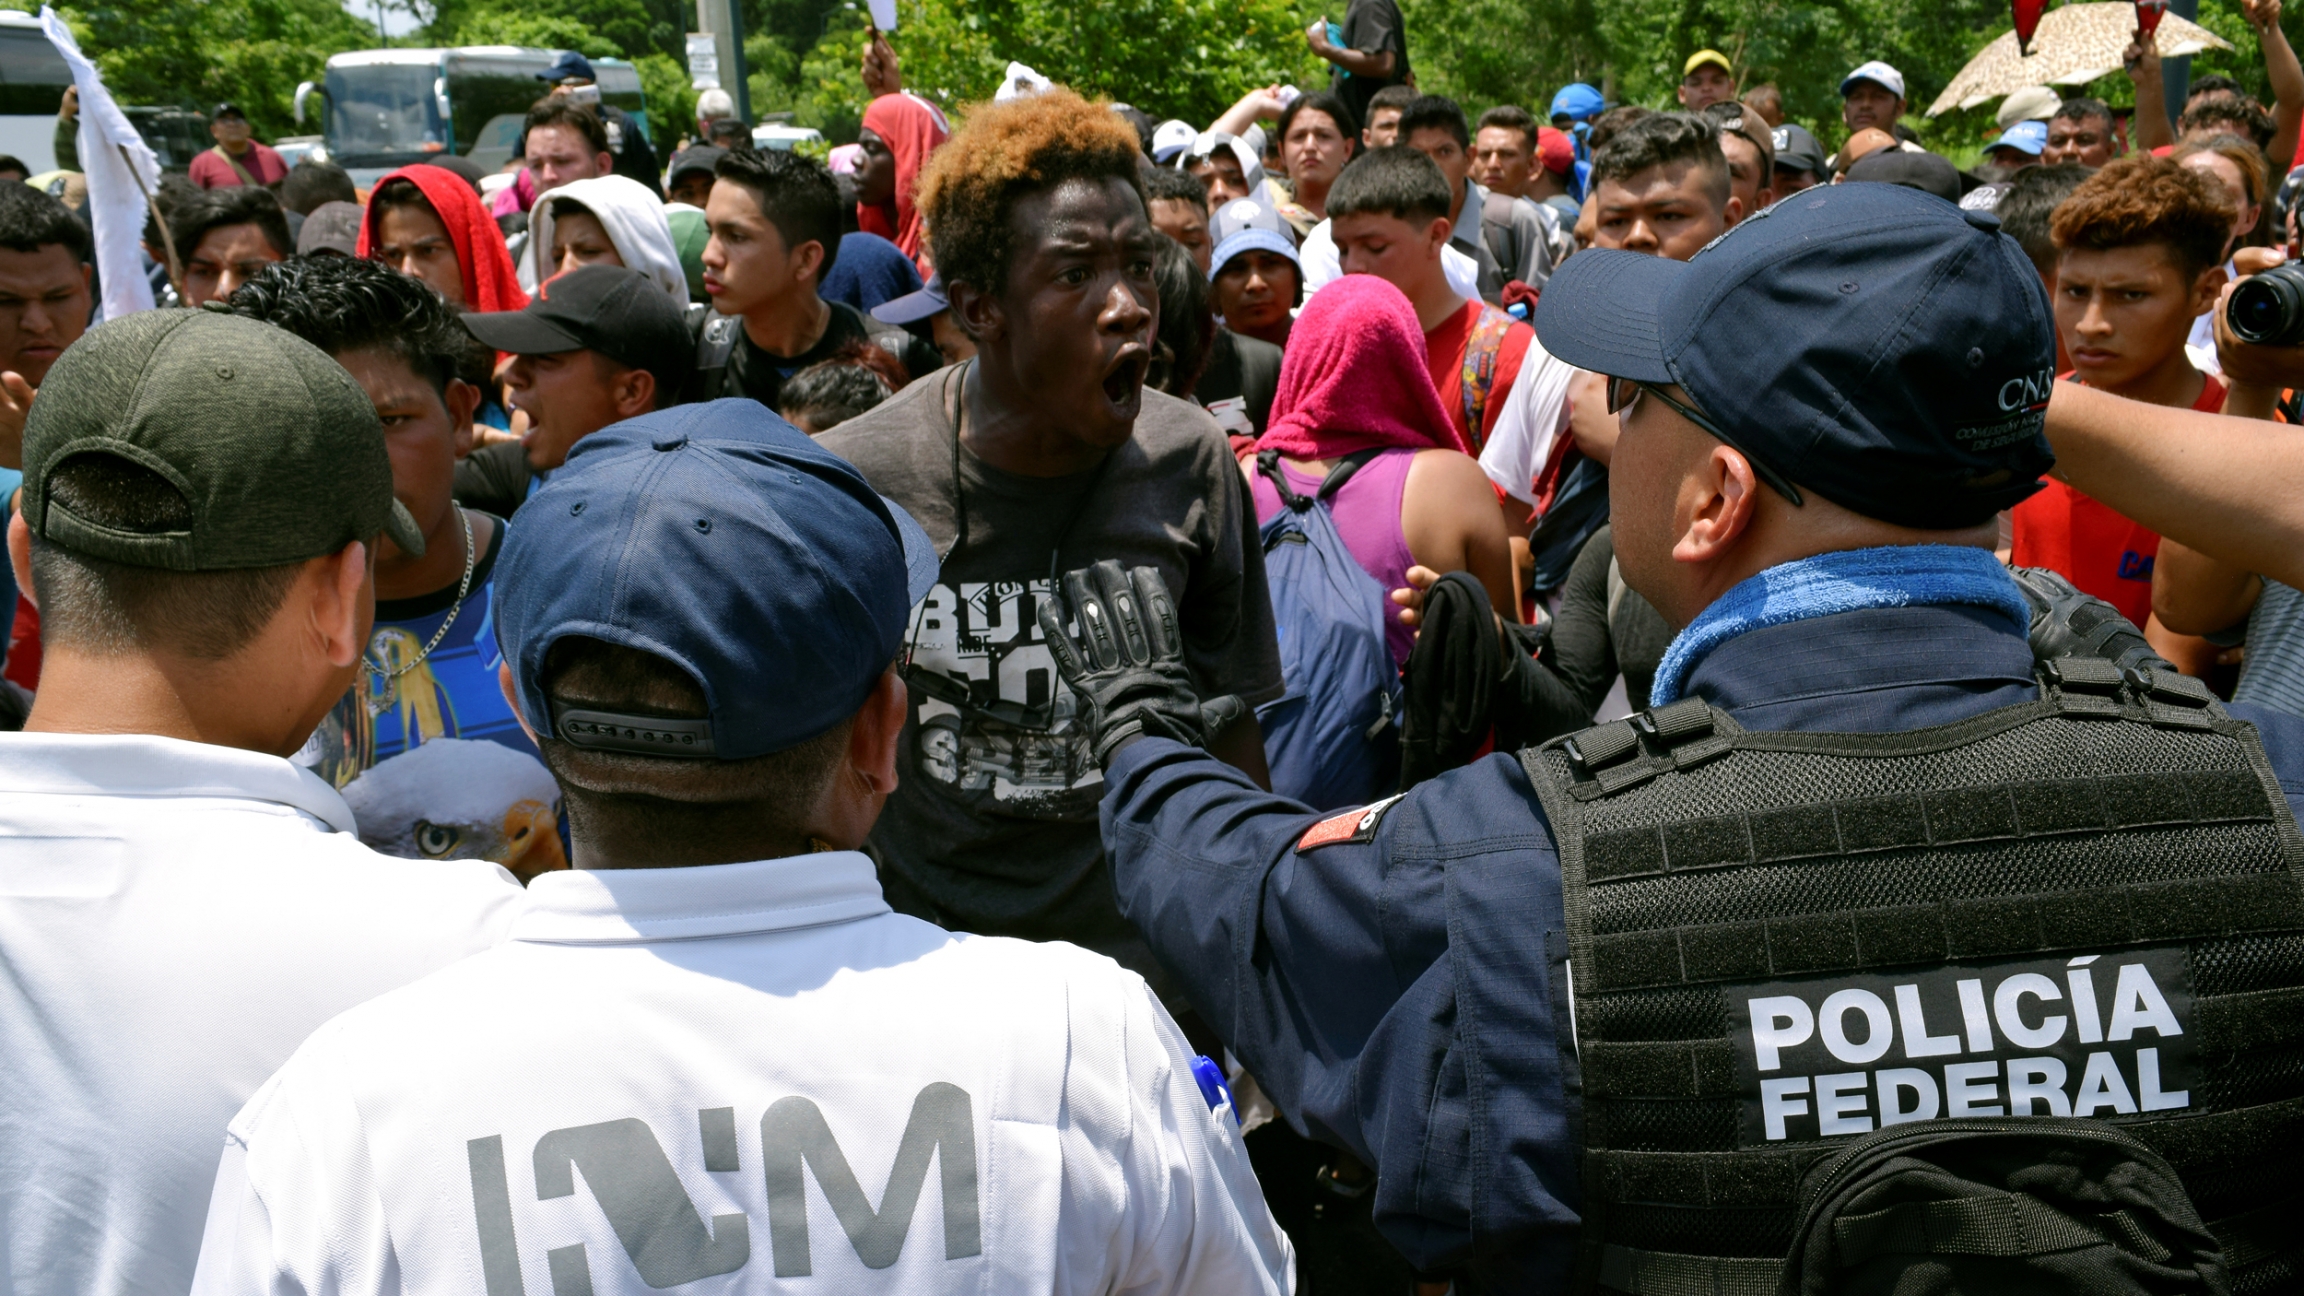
1332	738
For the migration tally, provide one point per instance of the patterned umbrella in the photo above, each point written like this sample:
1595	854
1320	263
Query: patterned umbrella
2076	44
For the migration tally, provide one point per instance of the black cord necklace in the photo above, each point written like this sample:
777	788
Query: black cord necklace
936	683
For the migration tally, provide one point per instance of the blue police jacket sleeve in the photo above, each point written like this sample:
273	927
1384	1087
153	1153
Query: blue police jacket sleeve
1391	990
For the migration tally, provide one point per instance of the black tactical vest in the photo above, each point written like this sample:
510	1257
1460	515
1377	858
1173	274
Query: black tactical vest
2084	905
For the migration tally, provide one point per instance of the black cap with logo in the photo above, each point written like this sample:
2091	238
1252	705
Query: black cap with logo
620	313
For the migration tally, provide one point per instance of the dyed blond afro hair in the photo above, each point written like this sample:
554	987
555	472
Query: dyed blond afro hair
1004	152
2141	199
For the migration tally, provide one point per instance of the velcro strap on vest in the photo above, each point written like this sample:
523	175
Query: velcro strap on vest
2139	913
1663	1273
1749	1177
2259	1234
2001	1224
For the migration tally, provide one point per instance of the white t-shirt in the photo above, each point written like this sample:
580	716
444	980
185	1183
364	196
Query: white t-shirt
1532	428
744	1077
175	918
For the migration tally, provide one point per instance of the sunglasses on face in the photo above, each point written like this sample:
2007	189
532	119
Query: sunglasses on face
1622	392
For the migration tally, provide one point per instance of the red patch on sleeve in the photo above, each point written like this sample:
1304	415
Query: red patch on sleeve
1356	825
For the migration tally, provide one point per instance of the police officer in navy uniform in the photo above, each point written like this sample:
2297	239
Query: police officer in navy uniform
1868	859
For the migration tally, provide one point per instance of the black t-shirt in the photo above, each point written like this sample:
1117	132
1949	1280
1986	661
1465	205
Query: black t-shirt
1605	627
495	478
1239	382
1371	26
759	373
992	828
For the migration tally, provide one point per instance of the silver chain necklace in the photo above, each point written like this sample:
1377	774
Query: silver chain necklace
463	587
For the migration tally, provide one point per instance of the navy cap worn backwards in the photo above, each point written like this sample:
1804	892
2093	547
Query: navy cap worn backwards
718	537
1868	341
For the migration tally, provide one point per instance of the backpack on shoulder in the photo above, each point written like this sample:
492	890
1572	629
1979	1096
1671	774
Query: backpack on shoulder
1331	739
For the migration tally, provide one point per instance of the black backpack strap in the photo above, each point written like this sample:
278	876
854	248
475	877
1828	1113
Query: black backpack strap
715	343
1501	236
1268	463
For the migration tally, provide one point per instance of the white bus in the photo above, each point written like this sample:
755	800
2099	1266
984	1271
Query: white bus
32	81
387	108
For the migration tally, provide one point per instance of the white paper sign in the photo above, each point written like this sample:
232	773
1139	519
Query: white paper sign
883	14
703	60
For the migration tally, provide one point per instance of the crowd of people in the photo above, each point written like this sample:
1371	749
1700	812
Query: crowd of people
1349	699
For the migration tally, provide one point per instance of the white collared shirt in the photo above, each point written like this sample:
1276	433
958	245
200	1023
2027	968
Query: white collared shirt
726	1078
175	918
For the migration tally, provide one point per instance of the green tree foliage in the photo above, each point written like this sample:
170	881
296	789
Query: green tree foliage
1172	58
1522	51
197	53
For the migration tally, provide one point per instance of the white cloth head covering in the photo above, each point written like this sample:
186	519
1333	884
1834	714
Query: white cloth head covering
634	220
1021	82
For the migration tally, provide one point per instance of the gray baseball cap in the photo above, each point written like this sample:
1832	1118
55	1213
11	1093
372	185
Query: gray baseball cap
275	447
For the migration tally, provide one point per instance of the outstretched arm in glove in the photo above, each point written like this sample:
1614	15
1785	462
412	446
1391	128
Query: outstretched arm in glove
1125	660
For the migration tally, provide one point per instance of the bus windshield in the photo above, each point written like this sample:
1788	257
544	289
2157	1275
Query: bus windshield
383	110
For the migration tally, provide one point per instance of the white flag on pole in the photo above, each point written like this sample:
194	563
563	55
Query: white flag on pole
121	171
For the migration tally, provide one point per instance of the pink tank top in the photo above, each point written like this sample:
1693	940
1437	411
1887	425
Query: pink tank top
1366	511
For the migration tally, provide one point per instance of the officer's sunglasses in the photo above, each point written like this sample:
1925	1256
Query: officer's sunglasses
1622	390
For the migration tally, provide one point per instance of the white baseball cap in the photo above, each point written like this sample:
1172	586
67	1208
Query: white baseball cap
1878	73
1170	138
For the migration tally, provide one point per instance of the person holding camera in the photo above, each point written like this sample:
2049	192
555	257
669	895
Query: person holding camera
2194	592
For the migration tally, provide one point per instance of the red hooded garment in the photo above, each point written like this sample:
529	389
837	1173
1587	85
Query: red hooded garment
912	129
1354	378
490	283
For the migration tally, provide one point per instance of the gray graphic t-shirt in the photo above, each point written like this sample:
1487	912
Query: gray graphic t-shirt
993	825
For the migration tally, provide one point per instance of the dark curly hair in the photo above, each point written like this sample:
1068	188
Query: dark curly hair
1661	139
1004	152
342	304
2140	199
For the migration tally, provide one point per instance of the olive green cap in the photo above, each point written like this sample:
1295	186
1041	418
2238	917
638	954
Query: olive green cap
276	448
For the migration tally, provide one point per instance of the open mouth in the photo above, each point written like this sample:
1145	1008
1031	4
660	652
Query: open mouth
1125	383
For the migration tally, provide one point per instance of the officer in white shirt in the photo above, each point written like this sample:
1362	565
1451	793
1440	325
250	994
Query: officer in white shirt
711	1057
179	904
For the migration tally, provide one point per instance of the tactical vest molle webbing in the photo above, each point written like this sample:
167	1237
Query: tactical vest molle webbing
2084	905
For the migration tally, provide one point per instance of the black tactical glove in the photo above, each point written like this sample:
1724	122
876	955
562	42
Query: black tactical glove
1465	681
2069	623
1127	664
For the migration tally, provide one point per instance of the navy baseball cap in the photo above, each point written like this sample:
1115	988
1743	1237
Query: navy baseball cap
720	538
1870	342
569	65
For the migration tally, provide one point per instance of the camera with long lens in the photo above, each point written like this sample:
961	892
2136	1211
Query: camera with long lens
2268	309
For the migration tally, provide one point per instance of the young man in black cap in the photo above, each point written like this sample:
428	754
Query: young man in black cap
597	345
692	168
1637	958
1045	449
424	747
237	158
699	624
202	499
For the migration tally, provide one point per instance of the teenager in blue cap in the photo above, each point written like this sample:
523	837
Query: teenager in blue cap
1855	764
1572	112
700	619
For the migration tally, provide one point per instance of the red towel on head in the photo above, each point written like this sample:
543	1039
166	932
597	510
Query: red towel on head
490	283
1354	377
912	129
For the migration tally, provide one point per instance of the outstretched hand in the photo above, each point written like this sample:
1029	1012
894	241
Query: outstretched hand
1126	663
